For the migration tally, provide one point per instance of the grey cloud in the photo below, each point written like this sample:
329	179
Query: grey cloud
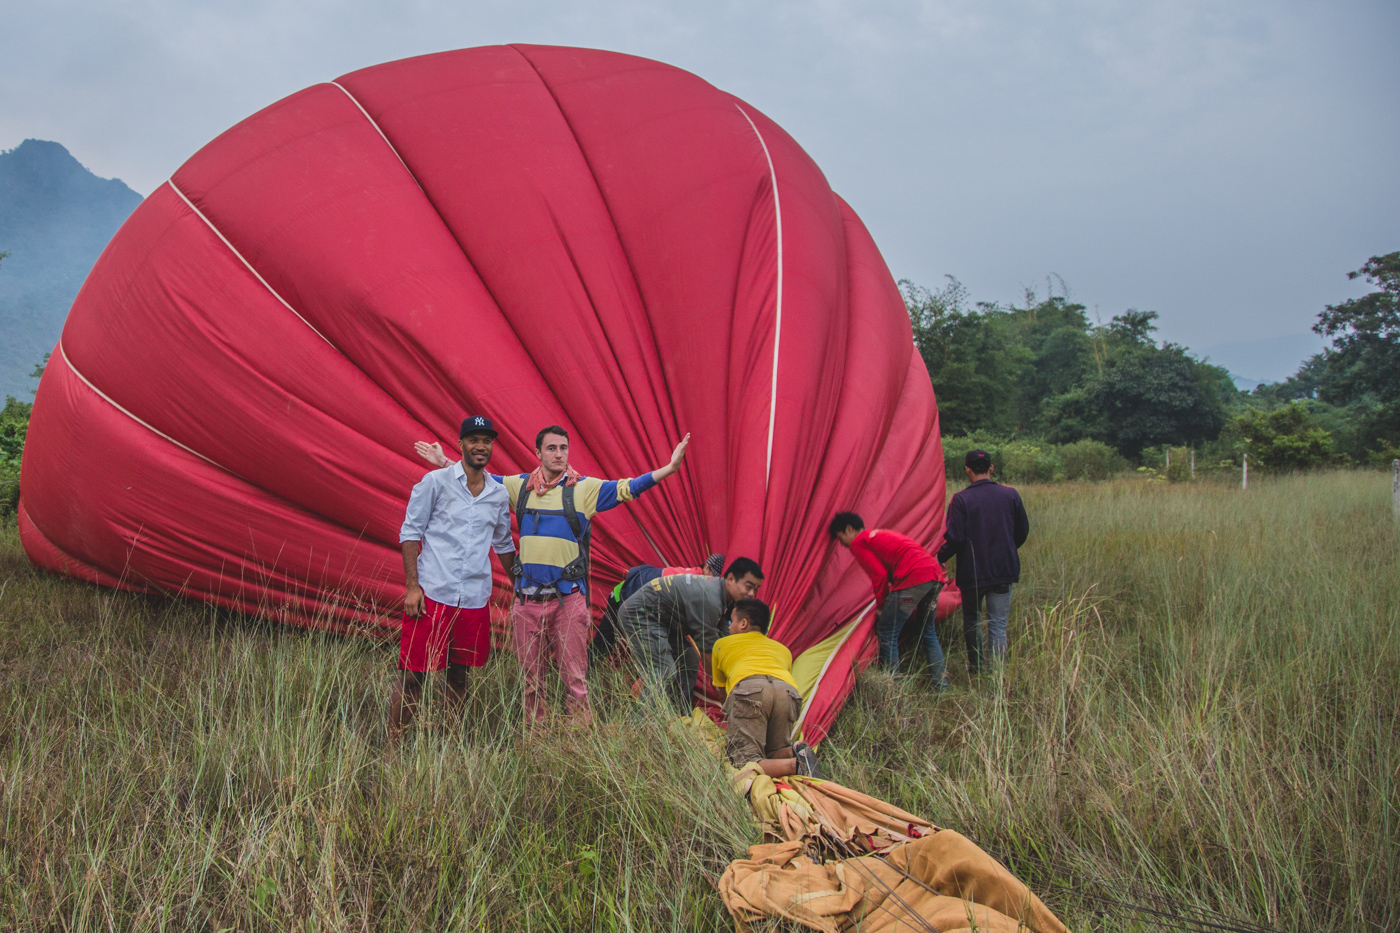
1224	164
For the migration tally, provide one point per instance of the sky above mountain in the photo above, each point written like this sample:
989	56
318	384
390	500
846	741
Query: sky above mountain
1224	164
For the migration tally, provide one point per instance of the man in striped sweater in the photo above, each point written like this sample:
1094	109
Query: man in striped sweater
554	508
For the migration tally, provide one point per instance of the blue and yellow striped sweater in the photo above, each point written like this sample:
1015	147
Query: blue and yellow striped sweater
547	543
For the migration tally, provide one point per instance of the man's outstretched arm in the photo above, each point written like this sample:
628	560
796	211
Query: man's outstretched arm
613	493
674	465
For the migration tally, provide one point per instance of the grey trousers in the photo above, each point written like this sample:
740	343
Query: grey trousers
669	666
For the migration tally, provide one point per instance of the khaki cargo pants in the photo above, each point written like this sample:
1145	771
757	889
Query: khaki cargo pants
761	711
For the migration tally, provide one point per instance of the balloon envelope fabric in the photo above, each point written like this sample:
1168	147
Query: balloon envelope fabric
543	235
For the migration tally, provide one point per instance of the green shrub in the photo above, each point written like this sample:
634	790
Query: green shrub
1028	460
9	490
1178	467
1090	460
1283	440
14	426
1031	462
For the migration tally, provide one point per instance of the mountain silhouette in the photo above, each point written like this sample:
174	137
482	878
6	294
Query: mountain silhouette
55	219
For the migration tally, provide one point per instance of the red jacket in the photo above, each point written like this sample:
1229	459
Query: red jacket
894	561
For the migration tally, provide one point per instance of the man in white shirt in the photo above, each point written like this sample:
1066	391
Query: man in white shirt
455	517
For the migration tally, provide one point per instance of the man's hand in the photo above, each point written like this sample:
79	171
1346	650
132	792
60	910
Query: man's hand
677	456
431	453
413	601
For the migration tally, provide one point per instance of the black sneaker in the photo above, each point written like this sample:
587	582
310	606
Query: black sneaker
806	760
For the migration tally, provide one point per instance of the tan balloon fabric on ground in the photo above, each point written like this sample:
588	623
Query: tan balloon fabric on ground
840	861
951	885
845	821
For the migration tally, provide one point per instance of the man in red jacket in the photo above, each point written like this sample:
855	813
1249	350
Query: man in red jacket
906	579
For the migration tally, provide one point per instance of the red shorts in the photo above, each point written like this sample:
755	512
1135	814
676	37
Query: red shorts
442	634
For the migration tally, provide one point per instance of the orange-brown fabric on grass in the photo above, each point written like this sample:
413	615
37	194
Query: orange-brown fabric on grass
796	807
970	890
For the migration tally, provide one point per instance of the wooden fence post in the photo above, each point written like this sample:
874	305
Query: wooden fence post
1193	464
1395	487
1244	477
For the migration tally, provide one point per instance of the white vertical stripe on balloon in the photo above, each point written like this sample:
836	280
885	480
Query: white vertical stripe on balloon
778	322
154	430
256	274
382	136
816	685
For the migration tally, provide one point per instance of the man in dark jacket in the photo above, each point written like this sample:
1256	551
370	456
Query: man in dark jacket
987	524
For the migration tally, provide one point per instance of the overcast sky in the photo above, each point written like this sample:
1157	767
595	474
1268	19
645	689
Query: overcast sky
1222	163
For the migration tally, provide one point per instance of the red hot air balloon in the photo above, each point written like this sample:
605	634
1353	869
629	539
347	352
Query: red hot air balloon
547	235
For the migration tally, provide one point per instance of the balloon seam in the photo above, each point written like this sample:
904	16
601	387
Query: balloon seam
249	265
384	137
443	220
154	430
778	315
816	685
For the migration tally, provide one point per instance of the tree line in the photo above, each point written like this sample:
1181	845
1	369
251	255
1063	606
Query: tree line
1054	395
1042	378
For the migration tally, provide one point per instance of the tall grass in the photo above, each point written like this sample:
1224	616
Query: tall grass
163	767
1201	697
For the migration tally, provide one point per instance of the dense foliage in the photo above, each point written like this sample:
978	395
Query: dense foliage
14	425
1352	389
1045	370
1036	379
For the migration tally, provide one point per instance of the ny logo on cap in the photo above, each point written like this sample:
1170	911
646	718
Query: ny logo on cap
480	420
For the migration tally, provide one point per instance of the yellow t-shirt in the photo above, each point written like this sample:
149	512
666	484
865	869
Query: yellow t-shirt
738	656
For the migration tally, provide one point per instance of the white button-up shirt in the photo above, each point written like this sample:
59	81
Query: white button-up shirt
458	532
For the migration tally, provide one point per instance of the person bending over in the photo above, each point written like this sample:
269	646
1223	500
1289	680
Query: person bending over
762	703
605	638
906	581
657	618
455	517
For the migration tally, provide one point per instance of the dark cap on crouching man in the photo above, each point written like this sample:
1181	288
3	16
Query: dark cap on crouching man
456	516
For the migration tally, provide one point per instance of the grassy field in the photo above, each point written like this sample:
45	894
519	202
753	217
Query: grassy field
1201	702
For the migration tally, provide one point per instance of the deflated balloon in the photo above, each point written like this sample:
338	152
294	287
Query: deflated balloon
544	235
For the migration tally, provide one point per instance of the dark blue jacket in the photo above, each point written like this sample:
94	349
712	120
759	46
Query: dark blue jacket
986	524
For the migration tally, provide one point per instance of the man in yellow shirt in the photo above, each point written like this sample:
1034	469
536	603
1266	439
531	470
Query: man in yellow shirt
762	703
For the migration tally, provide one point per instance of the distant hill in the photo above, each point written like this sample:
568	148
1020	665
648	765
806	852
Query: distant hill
1272	359
55	219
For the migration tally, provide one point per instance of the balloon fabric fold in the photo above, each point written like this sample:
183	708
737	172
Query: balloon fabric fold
546	235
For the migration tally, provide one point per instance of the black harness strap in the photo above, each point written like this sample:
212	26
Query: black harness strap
574	570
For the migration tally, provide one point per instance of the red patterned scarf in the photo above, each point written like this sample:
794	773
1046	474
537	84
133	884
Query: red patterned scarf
539	487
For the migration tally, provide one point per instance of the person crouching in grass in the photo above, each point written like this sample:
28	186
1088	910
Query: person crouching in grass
762	703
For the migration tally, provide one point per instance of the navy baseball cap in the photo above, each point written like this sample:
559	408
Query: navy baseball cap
977	460
478	424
